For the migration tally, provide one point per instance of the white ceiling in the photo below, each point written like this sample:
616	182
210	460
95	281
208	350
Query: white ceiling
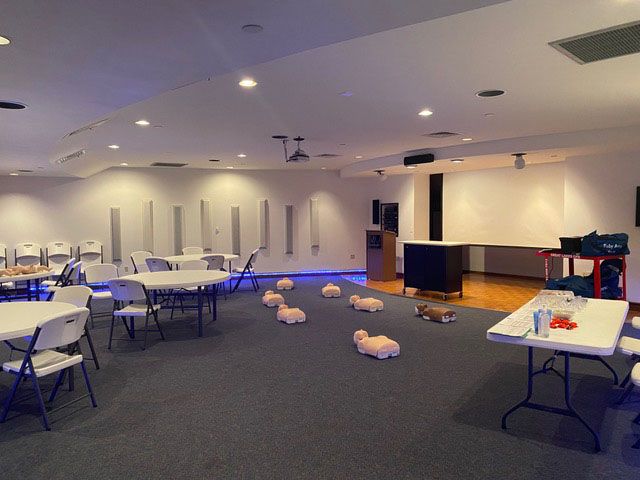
80	61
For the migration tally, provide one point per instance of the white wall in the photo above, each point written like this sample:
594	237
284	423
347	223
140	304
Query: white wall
505	206
600	193
47	209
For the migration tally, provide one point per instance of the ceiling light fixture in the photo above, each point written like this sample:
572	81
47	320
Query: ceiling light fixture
346	93
242	155
230	167
519	162
457	160
252	28
410	166
114	147
10	105
124	164
358	157
14	174
142	123
296	157
425	113
489	114
247	83
4	40
467	139
323	168
490	93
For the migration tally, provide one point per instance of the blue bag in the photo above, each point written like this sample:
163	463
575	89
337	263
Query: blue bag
594	245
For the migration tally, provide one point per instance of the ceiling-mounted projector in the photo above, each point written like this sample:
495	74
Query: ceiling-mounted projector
519	162
419	159
298	156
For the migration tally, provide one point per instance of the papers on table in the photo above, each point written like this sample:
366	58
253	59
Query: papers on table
518	324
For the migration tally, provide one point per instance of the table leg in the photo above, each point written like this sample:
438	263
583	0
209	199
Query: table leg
571	266
37	289
214	302
199	311
28	290
230	273
569	411
597	288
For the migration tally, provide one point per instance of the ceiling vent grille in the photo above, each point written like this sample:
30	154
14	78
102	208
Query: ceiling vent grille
91	126
328	155
440	134
71	156
602	44
168	164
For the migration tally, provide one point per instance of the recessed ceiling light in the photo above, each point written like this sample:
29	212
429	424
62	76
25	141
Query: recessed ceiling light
252	28
425	113
411	166
14	174
489	114
467	139
247	83
230	167
142	123
10	105
358	156
242	155
114	147
489	93
4	40
346	93
323	168
457	160
124	164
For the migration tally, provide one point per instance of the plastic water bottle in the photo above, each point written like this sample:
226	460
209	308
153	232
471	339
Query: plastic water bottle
544	323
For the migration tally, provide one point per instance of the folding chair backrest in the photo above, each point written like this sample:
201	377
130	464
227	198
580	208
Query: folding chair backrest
192	250
194	265
3	255
74	274
65	271
126	290
28	253
253	257
157	264
77	295
100	273
216	262
58	254
61	329
138	259
90	252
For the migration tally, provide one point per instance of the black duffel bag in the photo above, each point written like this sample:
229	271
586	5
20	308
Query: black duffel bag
594	245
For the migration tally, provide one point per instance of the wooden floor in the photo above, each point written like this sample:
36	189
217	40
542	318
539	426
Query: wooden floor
493	292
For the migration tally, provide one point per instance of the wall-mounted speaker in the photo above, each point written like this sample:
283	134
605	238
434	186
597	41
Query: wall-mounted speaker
235	229
116	234
147	225
263	223
375	209
206	228
288	229
177	216
314	218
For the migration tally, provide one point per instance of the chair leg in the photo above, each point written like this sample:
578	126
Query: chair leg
93	325
173	305
113	319
43	410
86	381
9	400
238	281
56	386
91	347
146	331
155	319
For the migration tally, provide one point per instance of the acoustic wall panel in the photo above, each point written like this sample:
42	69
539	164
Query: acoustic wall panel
116	234
263	223
288	229
314	219
235	229
147	225
177	215
205	225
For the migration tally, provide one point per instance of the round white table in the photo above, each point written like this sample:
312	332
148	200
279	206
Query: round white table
28	277
177	279
18	319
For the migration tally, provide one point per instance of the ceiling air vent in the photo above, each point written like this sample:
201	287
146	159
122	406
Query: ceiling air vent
328	155
168	164
91	126
71	156
440	134
602	44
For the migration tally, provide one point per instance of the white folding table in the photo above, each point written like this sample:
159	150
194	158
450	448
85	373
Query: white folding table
28	277
178	260
599	326
176	279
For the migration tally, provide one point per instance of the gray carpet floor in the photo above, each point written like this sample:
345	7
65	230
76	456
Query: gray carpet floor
256	398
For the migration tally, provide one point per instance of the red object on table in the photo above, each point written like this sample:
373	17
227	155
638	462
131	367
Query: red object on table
547	254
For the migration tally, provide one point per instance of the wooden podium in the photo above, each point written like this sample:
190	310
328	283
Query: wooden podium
381	255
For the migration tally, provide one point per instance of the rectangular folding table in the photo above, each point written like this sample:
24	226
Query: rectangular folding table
599	326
